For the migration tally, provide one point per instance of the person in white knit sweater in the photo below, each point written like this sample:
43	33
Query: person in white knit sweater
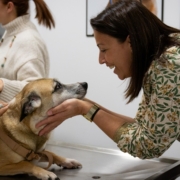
23	53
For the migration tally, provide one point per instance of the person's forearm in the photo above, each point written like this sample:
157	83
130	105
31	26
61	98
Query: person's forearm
126	118
106	120
109	121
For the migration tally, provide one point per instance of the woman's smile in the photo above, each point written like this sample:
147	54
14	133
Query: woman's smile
115	54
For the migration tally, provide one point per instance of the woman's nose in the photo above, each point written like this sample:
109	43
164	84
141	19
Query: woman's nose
101	59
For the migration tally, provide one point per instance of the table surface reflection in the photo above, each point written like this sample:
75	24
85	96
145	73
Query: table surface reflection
101	163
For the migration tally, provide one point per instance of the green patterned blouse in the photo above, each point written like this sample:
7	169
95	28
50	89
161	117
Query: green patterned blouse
157	123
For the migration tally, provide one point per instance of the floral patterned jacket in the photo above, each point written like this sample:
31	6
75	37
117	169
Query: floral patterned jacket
157	123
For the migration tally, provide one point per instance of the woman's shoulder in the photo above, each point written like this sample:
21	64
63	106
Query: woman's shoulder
167	63
30	32
29	37
172	54
175	35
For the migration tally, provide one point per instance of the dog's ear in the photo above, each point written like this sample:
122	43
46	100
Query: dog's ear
33	102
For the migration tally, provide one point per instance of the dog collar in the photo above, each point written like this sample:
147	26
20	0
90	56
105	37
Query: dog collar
29	155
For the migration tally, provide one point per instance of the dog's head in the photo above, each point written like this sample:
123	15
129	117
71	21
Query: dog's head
37	97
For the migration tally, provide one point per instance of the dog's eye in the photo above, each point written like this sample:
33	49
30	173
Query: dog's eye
58	86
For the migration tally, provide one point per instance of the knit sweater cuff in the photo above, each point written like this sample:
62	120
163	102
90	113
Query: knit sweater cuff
9	90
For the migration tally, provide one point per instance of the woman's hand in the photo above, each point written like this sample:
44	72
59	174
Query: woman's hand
3	107
58	114
1	85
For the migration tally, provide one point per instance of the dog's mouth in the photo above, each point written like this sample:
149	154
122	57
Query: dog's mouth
80	94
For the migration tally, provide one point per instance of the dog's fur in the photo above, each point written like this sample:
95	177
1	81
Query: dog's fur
25	110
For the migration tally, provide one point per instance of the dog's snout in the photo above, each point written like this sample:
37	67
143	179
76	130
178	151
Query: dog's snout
84	85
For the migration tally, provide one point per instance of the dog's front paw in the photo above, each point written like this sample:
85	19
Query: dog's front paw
44	174
71	164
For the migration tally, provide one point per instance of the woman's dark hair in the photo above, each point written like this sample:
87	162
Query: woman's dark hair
43	14
149	36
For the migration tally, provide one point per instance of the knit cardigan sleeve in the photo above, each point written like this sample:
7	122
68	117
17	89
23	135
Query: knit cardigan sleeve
29	71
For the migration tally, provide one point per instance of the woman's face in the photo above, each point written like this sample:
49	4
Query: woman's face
7	12
116	55
3	11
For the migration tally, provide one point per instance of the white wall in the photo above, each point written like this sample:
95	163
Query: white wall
74	58
94	7
172	13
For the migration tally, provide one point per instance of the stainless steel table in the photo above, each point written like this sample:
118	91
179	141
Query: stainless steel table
107	164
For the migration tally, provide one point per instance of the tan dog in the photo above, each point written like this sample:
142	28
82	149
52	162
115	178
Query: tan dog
18	122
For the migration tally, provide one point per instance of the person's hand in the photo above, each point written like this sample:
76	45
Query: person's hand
3	107
58	114
1	85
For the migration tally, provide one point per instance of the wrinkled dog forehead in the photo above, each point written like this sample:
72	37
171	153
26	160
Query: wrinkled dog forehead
41	86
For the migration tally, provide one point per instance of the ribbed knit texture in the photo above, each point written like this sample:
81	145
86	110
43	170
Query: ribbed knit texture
27	59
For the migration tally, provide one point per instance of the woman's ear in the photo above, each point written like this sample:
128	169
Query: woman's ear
10	7
128	40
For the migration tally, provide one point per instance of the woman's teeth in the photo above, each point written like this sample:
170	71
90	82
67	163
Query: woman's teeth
111	67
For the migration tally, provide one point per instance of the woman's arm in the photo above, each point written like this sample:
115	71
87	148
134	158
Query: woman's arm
126	118
106	120
109	121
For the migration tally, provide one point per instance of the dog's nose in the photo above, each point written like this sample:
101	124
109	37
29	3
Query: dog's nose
84	85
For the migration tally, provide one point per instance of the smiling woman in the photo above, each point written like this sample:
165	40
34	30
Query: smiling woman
148	52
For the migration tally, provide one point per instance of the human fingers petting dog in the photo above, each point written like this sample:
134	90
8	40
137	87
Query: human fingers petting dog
3	107
60	113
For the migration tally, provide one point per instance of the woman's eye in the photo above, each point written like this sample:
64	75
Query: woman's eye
102	50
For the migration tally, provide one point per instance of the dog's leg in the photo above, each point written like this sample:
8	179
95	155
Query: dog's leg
25	167
65	162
